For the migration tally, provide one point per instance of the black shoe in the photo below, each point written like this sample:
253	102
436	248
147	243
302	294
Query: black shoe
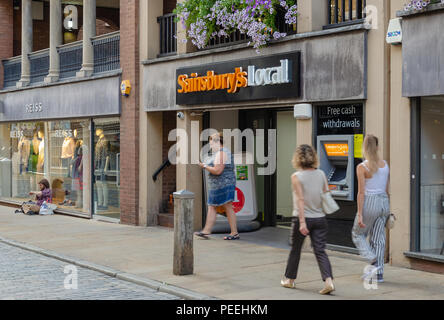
18	211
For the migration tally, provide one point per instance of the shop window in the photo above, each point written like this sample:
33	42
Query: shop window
57	151
432	176
107	167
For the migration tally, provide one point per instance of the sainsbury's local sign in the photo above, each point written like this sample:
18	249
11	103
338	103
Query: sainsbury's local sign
268	77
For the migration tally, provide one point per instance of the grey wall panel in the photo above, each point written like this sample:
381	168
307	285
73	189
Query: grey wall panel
423	55
93	98
333	68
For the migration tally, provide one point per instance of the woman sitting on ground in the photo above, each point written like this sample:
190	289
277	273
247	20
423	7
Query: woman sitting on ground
44	195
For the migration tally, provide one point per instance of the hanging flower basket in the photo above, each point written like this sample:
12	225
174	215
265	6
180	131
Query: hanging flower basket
208	19
416	5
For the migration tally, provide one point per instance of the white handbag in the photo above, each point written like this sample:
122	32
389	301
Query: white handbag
391	221
329	204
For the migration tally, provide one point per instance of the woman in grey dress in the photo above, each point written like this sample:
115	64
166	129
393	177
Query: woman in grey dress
221	184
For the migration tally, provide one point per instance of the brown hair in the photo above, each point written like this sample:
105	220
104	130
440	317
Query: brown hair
370	152
45	183
218	137
305	157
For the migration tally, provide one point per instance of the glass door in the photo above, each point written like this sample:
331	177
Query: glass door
261	120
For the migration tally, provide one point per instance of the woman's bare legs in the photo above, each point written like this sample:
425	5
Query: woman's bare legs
231	216
211	220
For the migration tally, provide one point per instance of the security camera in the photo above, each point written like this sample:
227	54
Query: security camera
181	115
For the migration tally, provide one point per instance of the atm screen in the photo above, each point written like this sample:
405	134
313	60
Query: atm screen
336	149
338	175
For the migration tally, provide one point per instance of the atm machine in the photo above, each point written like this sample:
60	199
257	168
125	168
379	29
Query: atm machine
336	159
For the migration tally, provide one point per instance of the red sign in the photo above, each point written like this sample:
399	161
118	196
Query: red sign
239	201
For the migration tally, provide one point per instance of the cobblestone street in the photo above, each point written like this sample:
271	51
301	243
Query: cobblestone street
26	275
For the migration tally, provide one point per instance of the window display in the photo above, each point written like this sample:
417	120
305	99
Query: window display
60	152
107	167
432	176
57	151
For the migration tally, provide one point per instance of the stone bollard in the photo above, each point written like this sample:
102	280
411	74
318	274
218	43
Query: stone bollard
183	233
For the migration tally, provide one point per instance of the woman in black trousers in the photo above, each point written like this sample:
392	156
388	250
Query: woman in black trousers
308	217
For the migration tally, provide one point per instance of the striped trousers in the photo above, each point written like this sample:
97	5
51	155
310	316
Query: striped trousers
375	213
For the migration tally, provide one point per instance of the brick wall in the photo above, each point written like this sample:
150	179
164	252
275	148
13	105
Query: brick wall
6	35
129	125
169	174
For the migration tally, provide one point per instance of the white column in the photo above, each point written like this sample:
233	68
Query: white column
89	31
26	43
55	39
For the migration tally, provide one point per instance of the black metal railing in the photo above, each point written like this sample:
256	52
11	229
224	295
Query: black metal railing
70	59
39	65
12	70
168	32
342	12
107	52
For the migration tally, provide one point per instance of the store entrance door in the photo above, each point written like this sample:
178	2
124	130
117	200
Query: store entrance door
286	145
265	191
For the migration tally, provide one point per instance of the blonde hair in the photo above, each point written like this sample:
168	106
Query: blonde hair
305	157
370	152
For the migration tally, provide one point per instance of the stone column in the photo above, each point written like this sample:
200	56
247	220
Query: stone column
188	175
55	39
27	41
89	31
313	15
6	39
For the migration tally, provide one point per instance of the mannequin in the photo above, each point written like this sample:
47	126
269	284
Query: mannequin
67	156
41	152
77	171
24	149
101	164
33	158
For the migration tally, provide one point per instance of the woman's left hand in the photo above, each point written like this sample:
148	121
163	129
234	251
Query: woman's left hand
201	165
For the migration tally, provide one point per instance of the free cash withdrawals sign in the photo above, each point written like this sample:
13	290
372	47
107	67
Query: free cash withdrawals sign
267	77
340	119
346	119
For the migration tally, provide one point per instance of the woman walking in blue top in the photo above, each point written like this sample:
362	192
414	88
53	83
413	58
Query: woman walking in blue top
221	183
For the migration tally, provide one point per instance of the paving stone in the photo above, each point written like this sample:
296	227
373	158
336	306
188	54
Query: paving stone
26	275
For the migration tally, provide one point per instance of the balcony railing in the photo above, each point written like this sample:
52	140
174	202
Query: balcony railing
39	65
70	59
12	70
168	32
106	58
344	12
107	52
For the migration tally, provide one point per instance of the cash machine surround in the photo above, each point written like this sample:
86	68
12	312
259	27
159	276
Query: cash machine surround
336	157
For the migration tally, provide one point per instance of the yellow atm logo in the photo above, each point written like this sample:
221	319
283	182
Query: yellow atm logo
336	149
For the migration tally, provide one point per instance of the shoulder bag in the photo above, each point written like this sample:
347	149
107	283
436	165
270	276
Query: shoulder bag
329	205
